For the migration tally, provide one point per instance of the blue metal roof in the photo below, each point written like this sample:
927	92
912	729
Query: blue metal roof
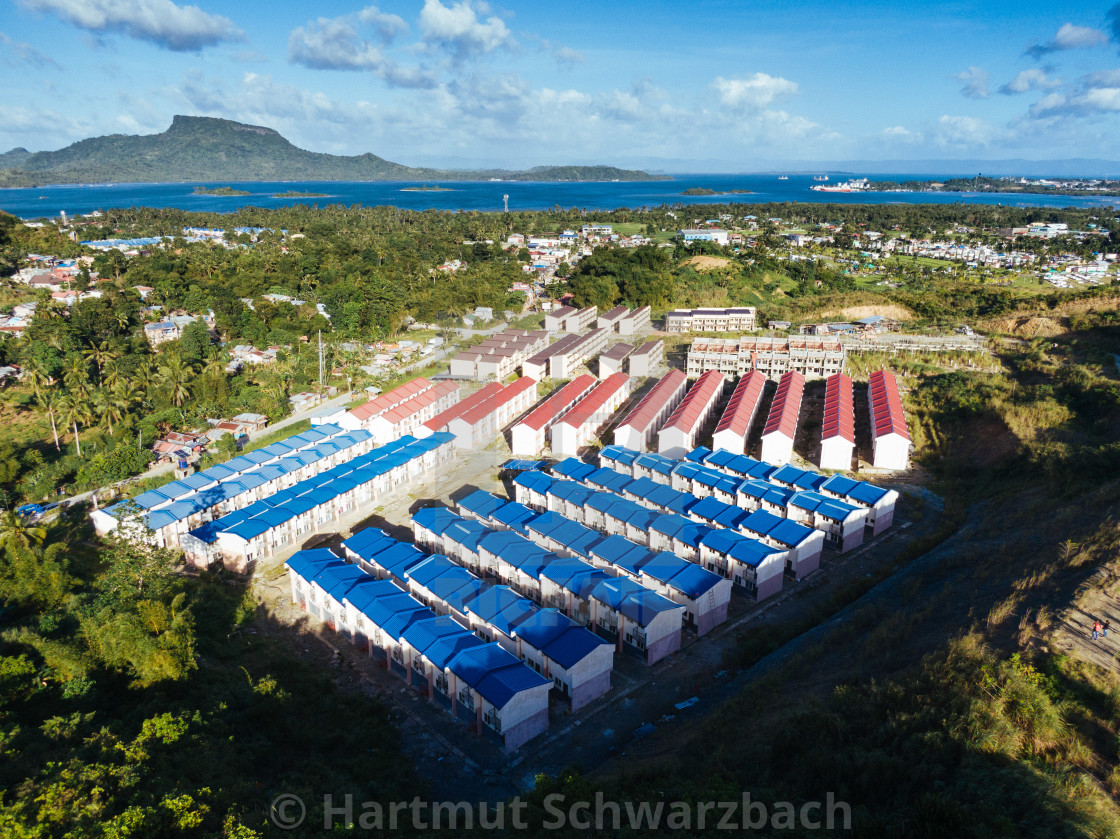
159	519
709	508
558	637
399	558
608	479
258	456
422	635
249	529
435	519
618	454
503	543
308	564
514	515
664	566
698	454
751	552
502	608
151	498
614	590
731	517
815	502
366	539
761	521
364	593
695	581
239	464
642	487
787	475
573	468
722	541
196	481
443	649
277	449
496	674
570	491
642	607
338	580
433	567
462	595
466	532
482	504
658	463
791	533
218	472
563	569
535	481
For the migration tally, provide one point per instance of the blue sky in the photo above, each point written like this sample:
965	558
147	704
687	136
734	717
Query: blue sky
715	85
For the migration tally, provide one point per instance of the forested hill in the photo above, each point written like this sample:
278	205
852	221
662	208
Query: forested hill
205	149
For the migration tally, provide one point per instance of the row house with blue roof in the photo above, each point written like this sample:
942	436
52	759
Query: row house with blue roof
705	595
500	697
680	522
165	514
493	612
239	539
571	589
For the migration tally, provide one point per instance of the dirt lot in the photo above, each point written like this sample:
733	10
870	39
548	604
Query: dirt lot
707	263
642	699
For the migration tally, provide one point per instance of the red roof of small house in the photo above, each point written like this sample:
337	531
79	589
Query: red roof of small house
457	410
387	401
495	400
839	409
585	409
744	403
887	416
787	405
554	406
646	411
706	390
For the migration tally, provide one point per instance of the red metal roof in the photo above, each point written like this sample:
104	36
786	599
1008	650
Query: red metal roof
741	409
441	419
706	390
787	405
418	403
553	407
887	416
596	399
387	401
646	348
495	400
646	411
839	409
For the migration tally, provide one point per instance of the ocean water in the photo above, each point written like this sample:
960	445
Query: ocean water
48	201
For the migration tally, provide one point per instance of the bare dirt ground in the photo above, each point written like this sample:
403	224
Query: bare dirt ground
1099	599
707	263
886	310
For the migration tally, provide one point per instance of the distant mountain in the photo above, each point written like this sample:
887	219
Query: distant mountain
208	149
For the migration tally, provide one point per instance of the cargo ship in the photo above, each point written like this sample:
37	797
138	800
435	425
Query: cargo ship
856	185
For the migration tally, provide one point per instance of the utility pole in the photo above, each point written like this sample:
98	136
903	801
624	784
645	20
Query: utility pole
320	361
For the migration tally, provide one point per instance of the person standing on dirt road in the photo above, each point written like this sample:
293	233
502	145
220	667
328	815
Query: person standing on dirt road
1104	629
1097	629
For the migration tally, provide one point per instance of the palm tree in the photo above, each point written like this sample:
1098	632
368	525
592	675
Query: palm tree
110	406
19	533
177	374
37	378
215	366
100	354
76	376
74	410
50	400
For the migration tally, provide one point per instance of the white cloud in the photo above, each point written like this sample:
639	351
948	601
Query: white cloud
901	134
1070	37
458	28
1096	94
388	26
976	82
1028	80
755	91
960	131
13	53
335	44
161	22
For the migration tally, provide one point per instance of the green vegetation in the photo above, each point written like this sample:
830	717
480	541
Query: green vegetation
227	191
1005	184
207	149
295	193
701	190
138	702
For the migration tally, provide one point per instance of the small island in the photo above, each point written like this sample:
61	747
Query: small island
426	188
700	190
295	193
224	191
